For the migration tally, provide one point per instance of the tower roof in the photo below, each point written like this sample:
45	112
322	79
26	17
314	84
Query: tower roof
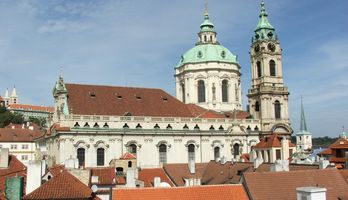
264	30
14	92
303	124
207	25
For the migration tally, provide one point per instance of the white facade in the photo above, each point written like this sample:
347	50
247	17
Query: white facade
116	140
24	151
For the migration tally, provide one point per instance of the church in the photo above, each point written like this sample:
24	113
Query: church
205	121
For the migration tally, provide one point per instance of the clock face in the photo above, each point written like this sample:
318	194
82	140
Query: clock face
271	47
270	34
257	48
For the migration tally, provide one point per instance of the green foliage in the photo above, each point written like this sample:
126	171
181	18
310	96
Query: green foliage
6	117
323	141
40	121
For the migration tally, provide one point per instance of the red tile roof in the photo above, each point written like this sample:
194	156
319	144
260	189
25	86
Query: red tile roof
266	167
30	108
62	186
18	135
282	185
120	179
180	171
341	143
221	192
273	140
106	175
200	112
1	99
344	173
327	151
24	126
56	127
148	175
15	168
56	169
109	100
128	156
216	173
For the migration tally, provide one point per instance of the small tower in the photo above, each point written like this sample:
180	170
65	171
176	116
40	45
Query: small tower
14	96
303	138
268	96
209	74
60	94
343	134
6	98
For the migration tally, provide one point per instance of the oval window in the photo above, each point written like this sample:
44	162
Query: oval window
199	55
223	54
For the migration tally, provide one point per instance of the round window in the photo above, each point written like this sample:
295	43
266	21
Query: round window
200	54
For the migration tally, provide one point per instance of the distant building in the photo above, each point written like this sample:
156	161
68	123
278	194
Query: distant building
2	102
32	111
13	99
19	139
303	138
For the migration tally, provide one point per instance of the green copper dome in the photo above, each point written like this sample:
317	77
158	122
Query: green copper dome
264	30
208	53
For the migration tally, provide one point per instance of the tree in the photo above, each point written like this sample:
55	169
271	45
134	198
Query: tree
40	121
7	117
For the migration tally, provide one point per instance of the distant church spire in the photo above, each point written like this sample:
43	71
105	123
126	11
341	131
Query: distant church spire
303	126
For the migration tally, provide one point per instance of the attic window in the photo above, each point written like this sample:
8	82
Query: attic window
127	114
138	97
106	125
156	126
196	127
185	127
119	96
138	126
125	125
211	128
256	128
92	94
77	125
221	128
86	125
169	127
96	125
165	99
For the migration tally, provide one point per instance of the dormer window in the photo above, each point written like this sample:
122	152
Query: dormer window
165	99
92	94
138	97
86	125
169	127
138	126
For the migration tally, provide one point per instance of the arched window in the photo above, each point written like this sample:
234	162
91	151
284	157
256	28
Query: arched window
191	152
277	109
211	38
205	38
132	148
216	153
236	149
100	157
258	68
163	153
257	106
183	92
272	66
224	91
201	91
81	156
129	164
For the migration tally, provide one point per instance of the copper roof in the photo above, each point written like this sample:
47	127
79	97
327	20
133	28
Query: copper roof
180	171
62	186
282	185
221	192
148	175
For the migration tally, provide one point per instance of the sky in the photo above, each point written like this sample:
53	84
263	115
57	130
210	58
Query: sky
138	43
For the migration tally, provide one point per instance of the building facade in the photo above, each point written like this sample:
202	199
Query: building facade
97	124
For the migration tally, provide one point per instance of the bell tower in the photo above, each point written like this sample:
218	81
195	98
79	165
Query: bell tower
268	96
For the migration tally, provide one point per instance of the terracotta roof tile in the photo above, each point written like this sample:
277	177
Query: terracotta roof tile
56	169
128	156
221	192
266	167
282	185
30	108
29	125
1	99
341	143
344	173
18	135
62	186
200	112
148	175
15	168
106	175
179	171
273	140
120	179
327	151
217	173
110	100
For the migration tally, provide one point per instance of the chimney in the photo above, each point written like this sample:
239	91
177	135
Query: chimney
71	163
257	162
285	148
280	165
156	182
33	175
14	187
323	164
130	178
192	166
4	158
310	193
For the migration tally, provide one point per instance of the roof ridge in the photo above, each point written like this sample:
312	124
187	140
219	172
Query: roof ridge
115	86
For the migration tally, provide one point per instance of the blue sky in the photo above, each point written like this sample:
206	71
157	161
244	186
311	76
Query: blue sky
138	43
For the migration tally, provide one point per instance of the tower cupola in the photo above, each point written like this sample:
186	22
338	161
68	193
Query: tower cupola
207	34
264	30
